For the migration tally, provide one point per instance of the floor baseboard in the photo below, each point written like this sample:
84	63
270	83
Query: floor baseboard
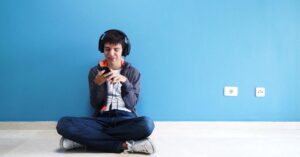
50	125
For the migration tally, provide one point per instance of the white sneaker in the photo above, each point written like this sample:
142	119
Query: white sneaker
141	146
68	144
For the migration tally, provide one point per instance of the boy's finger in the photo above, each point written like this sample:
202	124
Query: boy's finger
101	72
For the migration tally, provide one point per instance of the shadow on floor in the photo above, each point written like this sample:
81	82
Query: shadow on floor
85	150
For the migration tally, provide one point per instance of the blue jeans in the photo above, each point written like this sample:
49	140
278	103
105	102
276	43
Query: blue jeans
107	132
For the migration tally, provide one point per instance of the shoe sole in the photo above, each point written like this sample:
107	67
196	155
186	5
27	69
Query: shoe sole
152	145
61	143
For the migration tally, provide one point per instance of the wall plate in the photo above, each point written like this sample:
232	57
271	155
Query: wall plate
260	91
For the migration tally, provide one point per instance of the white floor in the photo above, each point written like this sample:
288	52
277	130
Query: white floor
172	139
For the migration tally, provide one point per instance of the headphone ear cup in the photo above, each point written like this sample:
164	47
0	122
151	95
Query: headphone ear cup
127	46
100	44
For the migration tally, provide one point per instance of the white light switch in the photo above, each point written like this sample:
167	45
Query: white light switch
231	91
260	92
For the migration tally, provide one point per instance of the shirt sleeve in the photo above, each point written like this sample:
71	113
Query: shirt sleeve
131	90
92	90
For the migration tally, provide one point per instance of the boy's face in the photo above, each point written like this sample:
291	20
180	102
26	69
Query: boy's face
113	52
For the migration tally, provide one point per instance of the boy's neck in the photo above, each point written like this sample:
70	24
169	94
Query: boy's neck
115	65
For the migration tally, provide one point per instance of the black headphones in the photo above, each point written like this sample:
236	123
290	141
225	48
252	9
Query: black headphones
126	47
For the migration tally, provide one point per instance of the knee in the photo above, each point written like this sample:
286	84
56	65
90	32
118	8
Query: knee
62	124
148	125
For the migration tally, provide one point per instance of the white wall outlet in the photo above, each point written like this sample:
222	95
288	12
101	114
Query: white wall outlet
231	91
260	91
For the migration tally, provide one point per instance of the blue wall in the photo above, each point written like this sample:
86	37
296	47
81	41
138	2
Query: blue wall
187	51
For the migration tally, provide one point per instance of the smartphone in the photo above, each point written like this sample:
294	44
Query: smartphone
106	69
